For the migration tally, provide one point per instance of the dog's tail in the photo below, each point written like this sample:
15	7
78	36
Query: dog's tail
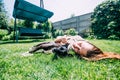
104	55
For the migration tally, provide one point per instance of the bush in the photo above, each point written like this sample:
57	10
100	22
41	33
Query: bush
91	36
71	31
3	33
47	35
106	21
112	37
58	33
8	37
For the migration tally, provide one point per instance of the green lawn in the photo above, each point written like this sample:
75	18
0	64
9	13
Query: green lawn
13	66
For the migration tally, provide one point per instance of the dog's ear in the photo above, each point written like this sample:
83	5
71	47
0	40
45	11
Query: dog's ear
58	40
64	41
61	40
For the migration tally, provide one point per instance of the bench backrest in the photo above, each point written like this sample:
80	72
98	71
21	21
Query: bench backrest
26	10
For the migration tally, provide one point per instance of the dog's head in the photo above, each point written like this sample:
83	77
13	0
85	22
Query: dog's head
61	50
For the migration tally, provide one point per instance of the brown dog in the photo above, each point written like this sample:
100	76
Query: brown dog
85	49
80	46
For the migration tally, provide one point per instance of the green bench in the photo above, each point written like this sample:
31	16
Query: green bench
27	11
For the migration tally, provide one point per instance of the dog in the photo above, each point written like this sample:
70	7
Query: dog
81	47
61	51
85	49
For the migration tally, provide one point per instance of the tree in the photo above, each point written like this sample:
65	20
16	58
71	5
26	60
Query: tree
3	16
105	20
28	24
39	26
11	23
46	26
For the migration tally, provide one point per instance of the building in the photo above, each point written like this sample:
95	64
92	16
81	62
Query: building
80	23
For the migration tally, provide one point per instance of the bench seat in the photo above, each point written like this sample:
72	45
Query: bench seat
30	32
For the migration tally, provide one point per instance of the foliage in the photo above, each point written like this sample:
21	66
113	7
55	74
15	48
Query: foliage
46	26
71	31
11	24
3	33
8	37
23	23
39	26
91	36
3	16
27	23
41	67
47	35
106	21
59	32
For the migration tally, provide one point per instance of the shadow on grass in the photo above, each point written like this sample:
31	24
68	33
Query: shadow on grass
22	41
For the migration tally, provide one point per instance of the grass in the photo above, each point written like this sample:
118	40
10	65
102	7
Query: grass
13	66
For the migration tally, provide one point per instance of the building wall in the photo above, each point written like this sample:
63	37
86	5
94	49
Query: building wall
80	23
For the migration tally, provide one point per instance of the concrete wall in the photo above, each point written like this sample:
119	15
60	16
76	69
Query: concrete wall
80	23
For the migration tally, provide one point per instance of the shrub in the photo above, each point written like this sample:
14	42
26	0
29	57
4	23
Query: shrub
8	37
113	37
58	33
71	31
3	33
91	36
47	35
106	21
